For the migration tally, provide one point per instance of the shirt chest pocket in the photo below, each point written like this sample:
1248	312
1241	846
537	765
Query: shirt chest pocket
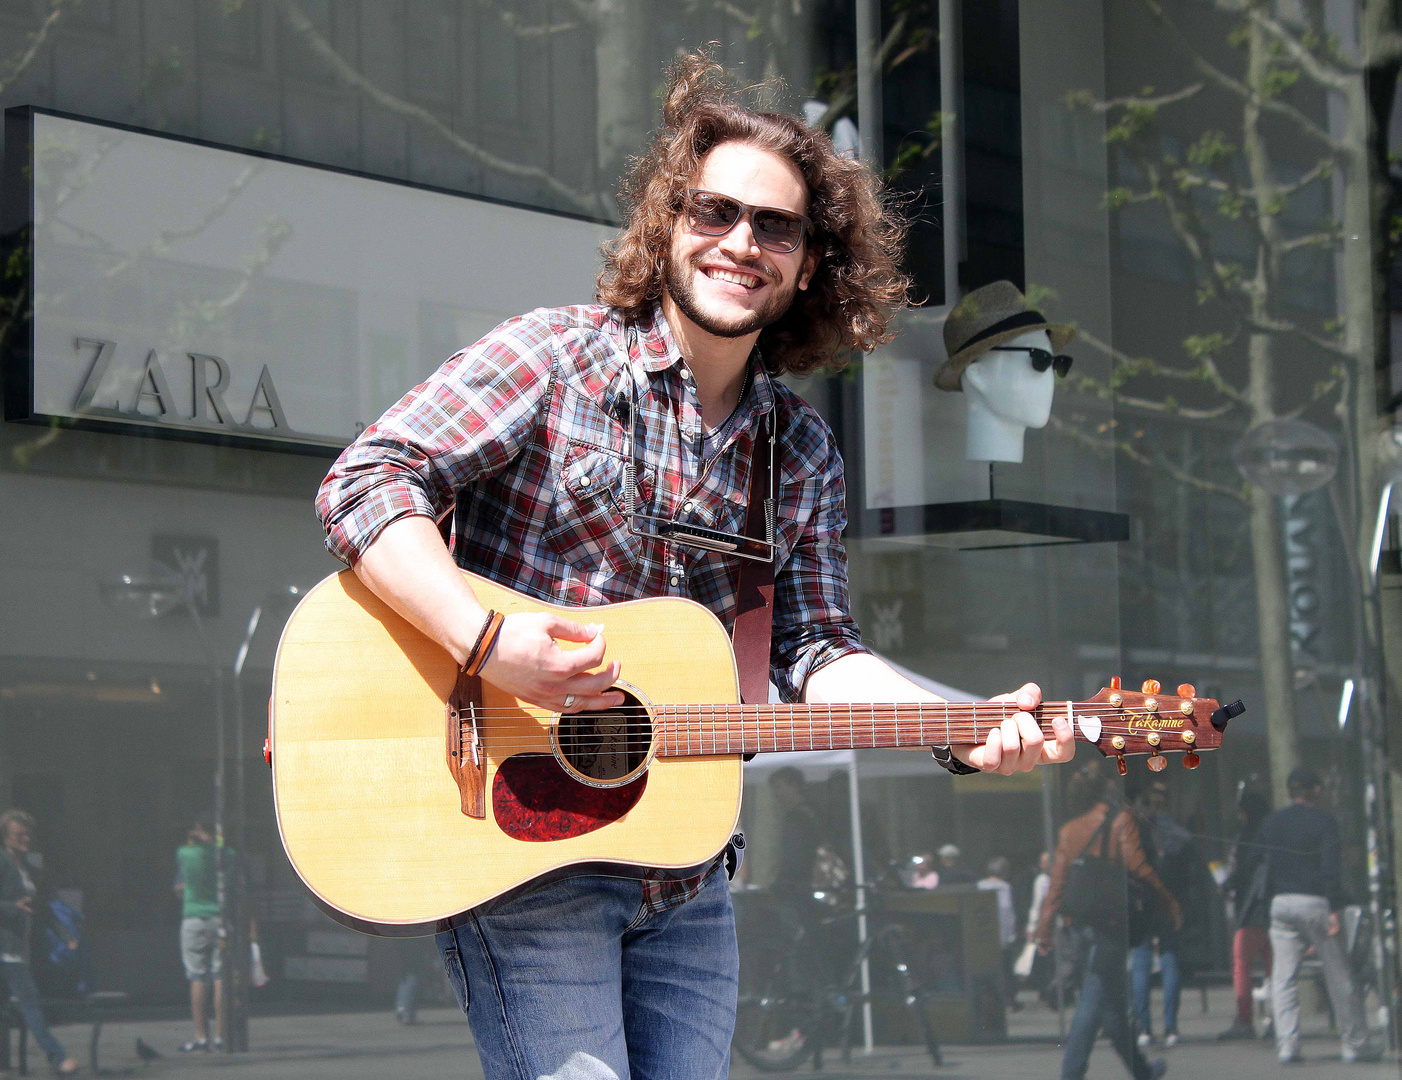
585	526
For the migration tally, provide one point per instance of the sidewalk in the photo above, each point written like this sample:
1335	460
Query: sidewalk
351	1046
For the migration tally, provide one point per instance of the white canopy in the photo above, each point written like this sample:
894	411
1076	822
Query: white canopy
876	764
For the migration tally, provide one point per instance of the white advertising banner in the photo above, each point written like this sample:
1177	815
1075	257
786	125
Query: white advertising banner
207	293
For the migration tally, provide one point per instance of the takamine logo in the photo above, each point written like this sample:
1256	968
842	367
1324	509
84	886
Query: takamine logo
148	397
1151	722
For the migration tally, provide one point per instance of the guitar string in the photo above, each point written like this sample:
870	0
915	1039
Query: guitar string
696	739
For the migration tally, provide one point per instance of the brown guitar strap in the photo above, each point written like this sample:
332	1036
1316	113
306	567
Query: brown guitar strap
754	614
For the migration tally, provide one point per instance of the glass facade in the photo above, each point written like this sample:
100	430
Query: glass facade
1205	191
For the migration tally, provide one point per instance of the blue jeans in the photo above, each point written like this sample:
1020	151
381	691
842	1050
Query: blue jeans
578	980
1102	1005
1141	968
21	985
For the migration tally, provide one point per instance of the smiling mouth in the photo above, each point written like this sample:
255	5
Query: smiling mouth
742	278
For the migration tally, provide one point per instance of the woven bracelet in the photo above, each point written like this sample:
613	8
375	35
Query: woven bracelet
485	642
476	645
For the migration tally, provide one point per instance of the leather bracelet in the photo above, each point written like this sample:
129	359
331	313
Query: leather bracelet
476	645
485	642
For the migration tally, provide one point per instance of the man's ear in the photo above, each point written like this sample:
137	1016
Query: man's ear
810	267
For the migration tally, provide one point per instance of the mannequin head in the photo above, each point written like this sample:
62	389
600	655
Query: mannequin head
1006	397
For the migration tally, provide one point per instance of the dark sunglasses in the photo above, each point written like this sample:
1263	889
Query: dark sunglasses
712	214
1041	359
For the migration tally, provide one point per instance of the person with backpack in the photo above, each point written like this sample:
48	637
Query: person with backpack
1247	886
1171	851
1098	852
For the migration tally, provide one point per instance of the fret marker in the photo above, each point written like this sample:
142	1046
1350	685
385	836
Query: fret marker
1090	727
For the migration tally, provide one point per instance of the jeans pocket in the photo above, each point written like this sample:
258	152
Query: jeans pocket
452	967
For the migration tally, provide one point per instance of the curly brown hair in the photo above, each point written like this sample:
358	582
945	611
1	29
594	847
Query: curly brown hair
858	285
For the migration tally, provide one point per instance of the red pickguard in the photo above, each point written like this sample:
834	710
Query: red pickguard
533	798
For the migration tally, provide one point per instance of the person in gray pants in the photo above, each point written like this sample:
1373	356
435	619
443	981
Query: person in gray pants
1302	846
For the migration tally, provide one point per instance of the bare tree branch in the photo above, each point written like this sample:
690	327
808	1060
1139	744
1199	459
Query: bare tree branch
1206	371
301	25
1322	73
1222	79
1155	461
20	66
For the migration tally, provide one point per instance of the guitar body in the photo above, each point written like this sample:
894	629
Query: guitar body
368	808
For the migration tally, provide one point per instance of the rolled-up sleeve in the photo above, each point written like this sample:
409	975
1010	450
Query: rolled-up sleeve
813	622
467	421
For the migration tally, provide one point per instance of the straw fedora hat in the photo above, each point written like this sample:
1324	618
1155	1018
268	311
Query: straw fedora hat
988	317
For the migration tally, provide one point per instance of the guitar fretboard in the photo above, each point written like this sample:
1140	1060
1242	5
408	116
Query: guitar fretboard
699	730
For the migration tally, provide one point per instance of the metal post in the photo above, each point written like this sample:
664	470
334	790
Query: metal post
1049	844
869	146
869	82
854	795
952	143
237	983
226	1014
1372	714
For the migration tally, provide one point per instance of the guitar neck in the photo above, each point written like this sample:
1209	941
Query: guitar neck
701	730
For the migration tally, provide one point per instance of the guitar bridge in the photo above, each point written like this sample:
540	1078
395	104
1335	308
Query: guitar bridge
466	756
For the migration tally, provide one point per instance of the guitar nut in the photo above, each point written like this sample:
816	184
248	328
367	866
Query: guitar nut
1118	742
1186	707
1153	738
1190	737
1116	701
1151	704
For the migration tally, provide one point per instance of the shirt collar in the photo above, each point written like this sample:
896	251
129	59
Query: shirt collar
654	349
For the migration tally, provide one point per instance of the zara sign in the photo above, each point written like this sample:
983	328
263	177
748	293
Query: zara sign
186	290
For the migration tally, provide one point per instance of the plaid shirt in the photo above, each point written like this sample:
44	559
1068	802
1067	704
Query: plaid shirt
525	428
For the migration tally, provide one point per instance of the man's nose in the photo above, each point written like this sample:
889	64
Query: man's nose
739	242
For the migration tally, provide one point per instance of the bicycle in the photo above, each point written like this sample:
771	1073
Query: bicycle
783	1013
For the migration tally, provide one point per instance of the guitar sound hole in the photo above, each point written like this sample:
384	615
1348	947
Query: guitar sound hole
606	746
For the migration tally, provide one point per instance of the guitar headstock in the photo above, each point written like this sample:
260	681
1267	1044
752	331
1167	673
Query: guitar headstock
1124	723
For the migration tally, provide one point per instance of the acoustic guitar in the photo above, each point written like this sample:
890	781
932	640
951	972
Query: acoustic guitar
406	795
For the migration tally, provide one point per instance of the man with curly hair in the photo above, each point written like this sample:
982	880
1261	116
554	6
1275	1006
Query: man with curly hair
579	445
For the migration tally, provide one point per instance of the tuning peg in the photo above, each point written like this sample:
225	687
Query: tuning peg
1114	682
1187	690
1191	760
1120	764
1157	762
1151	686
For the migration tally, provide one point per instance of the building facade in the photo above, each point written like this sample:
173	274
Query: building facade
239	229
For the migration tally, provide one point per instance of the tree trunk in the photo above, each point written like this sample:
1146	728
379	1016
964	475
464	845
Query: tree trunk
624	79
1272	592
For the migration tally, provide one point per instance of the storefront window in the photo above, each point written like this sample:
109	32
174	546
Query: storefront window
1202	192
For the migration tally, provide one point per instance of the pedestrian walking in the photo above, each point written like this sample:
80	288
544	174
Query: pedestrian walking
1301	845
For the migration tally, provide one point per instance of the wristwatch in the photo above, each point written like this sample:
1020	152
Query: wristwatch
945	756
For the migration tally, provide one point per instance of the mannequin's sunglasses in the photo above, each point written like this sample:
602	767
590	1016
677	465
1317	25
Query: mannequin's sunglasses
1041	359
712	214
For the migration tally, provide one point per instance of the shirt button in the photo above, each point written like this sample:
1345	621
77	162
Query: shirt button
674	579
685	373
686	508
584	481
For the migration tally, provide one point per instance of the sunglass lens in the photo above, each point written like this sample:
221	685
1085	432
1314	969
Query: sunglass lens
1041	359
1062	365
777	231
713	213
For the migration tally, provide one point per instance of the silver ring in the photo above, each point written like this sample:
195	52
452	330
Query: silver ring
570	699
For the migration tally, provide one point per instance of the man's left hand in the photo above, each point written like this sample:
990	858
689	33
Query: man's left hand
1017	744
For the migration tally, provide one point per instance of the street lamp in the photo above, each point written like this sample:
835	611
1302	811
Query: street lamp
151	594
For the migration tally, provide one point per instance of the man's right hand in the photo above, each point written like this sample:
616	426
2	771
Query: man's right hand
529	663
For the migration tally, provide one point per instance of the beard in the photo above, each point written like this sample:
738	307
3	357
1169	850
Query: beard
678	277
